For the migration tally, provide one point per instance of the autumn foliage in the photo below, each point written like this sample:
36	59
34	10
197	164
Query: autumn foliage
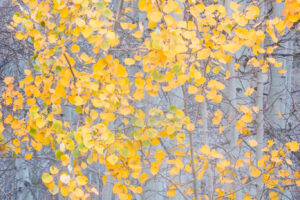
118	118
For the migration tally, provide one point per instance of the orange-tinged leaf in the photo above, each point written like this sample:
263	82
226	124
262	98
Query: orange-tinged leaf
171	193
8	80
255	172
293	146
75	48
279	114
28	156
282	71
273	196
143	177
253	143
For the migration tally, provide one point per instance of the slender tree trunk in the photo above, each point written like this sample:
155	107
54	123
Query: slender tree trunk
260	126
23	180
279	99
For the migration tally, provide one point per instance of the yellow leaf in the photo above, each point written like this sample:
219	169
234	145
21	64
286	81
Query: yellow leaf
64	12
199	98
190	127
249	91
112	159
155	16
154	168
79	22
279	113
192	89
17	19
75	48
28	156
293	146
53	170
252	12
78	192
64	178
255	172
171	193
129	61
253	143
256	109
240	19
283	173
217	117
216	70
282	71
54	190
120	71
180	138
108	116
203	54
82	180
138	34
47	178
205	150
273	196
143	177
8	80
234	6
221	128
227	76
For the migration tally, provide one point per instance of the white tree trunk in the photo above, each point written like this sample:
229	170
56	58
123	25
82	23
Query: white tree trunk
23	180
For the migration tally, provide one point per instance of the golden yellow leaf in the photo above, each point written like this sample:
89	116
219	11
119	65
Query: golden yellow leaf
28	156
249	91
75	48
199	98
171	193
143	177
273	196
82	180
282	71
279	113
